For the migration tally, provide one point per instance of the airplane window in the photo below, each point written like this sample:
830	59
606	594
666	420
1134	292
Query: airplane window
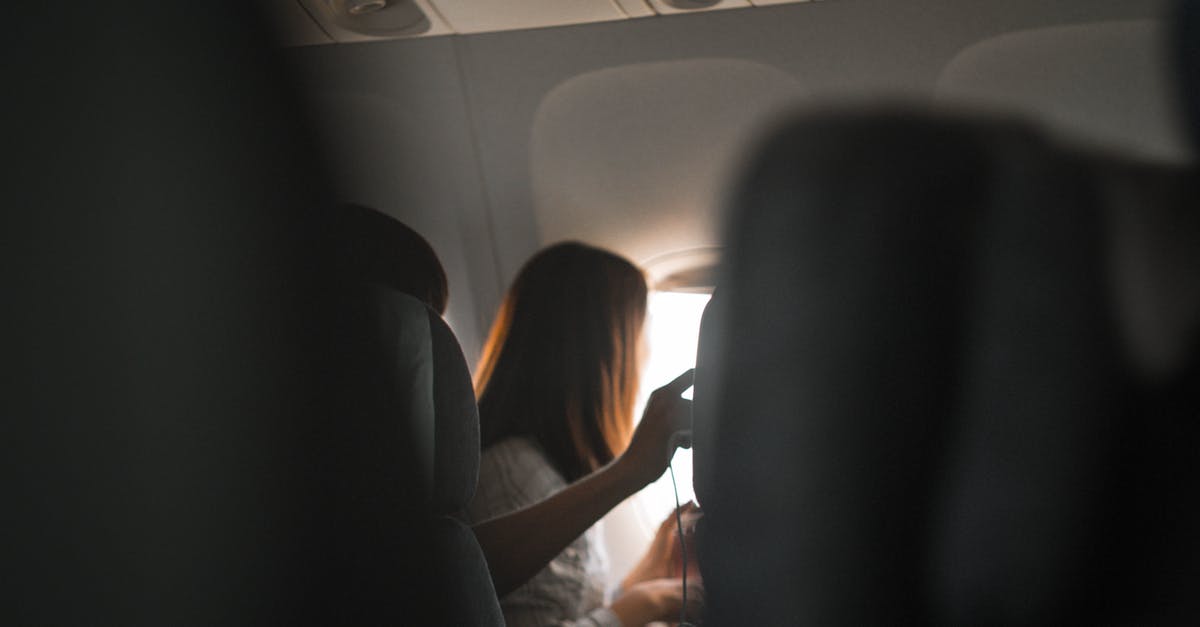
672	327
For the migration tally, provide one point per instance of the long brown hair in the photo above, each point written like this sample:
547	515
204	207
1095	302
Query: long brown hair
560	365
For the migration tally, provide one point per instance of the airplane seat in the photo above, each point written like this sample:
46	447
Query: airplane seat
173	391
1186	58
703	419
926	410
456	472
704	422
422	360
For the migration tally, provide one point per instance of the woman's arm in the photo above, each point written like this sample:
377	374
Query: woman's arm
519	544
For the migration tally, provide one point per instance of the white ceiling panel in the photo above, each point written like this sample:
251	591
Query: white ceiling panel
635	8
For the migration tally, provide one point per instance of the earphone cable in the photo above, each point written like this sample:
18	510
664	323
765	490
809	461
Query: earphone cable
683	622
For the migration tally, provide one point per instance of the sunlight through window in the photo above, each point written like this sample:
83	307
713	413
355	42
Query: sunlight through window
672	328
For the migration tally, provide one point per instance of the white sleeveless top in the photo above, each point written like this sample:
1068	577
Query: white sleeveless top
570	590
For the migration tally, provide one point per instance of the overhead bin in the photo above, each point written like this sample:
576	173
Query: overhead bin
665	7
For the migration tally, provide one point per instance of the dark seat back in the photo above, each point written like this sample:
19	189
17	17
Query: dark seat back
170	403
709	351
425	402
195	409
924	410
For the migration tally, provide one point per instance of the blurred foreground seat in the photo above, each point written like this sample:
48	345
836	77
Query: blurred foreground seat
926	404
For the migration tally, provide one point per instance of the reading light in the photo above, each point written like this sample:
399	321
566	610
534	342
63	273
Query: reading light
692	5
364	7
355	20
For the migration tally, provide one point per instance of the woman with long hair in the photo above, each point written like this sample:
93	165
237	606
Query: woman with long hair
556	388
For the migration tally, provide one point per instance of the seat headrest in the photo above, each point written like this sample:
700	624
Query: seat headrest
704	402
922	397
1187	60
844	284
1153	230
456	462
435	398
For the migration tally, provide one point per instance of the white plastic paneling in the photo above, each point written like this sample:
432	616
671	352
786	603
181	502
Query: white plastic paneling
663	8
634	158
763	3
635	8
479	16
1106	83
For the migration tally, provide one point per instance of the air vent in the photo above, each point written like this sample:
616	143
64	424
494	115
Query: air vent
356	20
671	7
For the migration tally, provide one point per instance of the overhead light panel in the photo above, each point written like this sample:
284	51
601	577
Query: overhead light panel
360	20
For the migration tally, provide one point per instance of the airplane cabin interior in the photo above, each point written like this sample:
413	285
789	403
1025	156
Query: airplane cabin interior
936	264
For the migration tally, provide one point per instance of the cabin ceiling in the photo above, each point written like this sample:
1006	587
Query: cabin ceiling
316	22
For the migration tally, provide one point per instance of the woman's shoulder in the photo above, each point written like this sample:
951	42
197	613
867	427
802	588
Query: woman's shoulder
513	473
522	459
516	449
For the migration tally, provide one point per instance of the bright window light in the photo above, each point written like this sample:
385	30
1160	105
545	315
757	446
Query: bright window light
672	328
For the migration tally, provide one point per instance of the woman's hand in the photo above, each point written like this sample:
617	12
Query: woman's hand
652	446
663	553
659	600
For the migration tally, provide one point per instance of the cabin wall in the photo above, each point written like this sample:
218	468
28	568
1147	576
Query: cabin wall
439	131
397	131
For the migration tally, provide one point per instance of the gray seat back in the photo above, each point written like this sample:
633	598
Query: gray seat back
427	405
924	409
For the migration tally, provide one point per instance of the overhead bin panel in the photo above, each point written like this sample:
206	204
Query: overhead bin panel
480	16
309	22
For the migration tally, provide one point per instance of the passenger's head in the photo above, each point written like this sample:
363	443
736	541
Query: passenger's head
561	361
378	248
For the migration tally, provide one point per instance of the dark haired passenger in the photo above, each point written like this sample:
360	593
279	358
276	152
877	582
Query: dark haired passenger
556	389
